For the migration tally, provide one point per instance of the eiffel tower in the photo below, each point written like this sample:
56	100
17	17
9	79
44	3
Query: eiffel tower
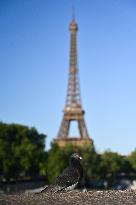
73	110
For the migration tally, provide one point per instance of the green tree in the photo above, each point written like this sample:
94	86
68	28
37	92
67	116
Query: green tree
21	151
90	164
132	159
56	162
110	165
125	165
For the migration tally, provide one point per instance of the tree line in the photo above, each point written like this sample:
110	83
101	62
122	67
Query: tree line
23	155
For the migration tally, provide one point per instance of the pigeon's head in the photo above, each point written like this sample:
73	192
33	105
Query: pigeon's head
75	159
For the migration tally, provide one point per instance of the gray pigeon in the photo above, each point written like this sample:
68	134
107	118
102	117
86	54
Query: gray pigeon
69	178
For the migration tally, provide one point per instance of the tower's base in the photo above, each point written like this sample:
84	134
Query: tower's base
74	142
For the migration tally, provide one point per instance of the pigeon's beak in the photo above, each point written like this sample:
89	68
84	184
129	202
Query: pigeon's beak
80	158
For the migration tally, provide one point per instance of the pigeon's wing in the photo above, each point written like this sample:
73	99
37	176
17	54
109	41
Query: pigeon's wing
51	189
69	177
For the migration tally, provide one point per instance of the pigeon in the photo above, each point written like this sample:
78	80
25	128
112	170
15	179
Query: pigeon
69	178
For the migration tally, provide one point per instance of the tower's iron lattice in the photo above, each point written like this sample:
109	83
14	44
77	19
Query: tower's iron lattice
73	109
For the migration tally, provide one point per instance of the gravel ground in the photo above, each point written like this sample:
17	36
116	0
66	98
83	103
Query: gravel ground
75	197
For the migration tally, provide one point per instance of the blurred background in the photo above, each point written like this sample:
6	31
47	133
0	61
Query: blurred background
34	62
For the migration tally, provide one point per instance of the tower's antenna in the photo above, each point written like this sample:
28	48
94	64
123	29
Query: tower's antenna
73	13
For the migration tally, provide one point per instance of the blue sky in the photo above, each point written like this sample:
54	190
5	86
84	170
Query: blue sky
34	61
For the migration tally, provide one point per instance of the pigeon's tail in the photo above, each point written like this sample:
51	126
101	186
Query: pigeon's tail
51	189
